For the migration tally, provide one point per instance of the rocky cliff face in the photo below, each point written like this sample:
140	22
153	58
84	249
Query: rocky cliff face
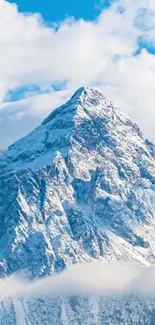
79	187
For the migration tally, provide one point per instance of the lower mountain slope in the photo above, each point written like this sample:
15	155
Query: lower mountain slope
76	310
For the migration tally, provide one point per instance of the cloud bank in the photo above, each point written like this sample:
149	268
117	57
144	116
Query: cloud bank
115	52
96	278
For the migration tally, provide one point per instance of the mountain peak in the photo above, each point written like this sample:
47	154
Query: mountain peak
89	121
88	92
83	96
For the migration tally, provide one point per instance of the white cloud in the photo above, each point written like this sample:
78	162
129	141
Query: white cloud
115	278
80	53
21	117
37	105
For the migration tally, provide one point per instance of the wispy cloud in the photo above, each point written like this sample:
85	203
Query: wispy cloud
98	277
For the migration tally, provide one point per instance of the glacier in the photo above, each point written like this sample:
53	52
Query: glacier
78	188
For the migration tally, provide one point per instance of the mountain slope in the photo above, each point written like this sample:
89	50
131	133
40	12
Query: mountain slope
79	187
126	310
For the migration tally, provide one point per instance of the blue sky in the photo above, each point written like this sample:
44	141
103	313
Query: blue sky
42	64
58	10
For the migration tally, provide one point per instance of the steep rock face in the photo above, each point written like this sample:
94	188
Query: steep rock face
79	187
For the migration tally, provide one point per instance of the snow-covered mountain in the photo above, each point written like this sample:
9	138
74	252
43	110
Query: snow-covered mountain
79	187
